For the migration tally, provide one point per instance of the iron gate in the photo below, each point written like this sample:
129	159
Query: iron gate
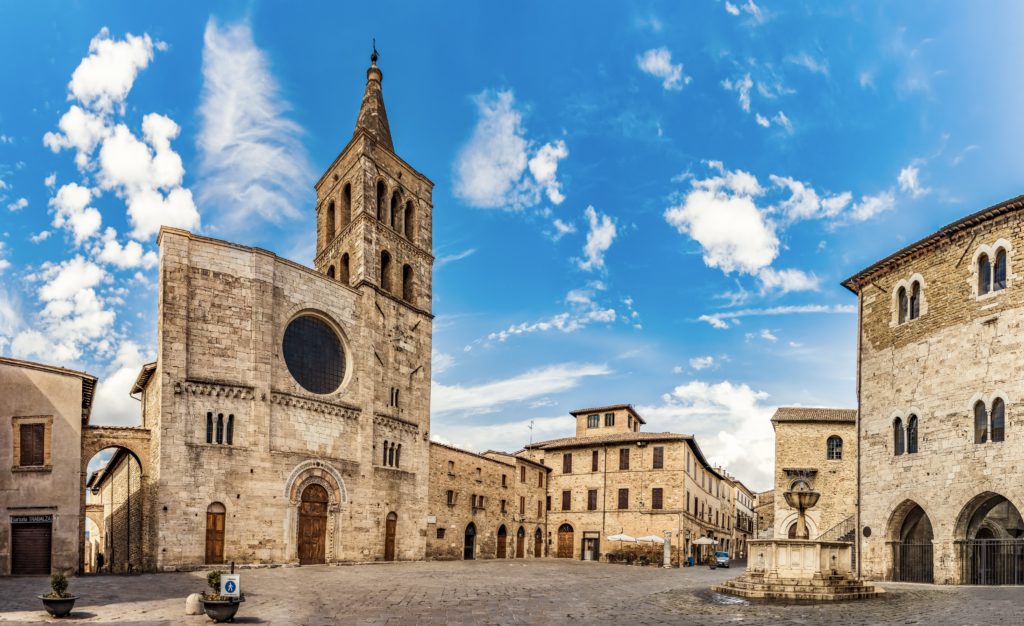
992	562
912	562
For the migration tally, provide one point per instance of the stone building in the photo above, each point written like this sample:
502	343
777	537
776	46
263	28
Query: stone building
42	412
818	447
764	513
941	479
485	506
744	518
116	488
613	478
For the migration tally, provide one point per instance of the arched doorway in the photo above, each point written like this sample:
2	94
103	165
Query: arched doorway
565	541
521	543
991	533
538	544
215	533
114	501
313	525
469	548
912	553
502	542
390	528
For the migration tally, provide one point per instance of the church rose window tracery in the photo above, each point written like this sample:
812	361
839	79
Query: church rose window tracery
314	354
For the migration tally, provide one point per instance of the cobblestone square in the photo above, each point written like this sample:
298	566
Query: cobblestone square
496	592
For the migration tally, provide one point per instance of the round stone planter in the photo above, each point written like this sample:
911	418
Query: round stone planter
58	607
220	610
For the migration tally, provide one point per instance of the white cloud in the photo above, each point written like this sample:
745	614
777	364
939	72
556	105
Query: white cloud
866	79
909	182
731	8
762	120
114	406
804	203
17	205
583	311
507	436
810	63
105	77
870	206
440	362
51	180
701	362
783	121
561	229
741	86
127	256
754	11
451	258
787	280
658	63
4	263
72	211
599	238
498	167
251	158
81	130
493	395
731	422
721	320
767	335
40	236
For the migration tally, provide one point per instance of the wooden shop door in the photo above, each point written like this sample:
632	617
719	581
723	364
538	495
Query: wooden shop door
313	525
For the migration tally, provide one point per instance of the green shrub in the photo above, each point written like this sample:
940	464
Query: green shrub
213	581
58	586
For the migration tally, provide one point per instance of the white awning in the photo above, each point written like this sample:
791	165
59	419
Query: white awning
650	539
704	541
621	537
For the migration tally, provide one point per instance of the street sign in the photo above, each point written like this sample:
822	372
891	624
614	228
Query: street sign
230	586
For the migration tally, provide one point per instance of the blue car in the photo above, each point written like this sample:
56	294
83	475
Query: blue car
721	559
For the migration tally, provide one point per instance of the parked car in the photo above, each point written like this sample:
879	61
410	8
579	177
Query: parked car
722	559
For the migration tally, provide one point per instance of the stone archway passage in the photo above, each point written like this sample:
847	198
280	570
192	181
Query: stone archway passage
912	552
565	541
992	542
313	525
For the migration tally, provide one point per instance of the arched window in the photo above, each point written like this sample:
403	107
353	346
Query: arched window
380	200
998	419
999	275
344	275
396	397
330	272
220	428
897	436
231	430
330	223
980	422
912	434
407	222
407	294
834	448
394	209
385	271
391	455
385	460
984	275
398	456
903	304
915	300
346	206
209	428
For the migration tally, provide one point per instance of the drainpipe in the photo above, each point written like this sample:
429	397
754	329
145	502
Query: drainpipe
858	534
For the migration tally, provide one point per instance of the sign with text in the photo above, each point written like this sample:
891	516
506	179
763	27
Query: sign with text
31	519
229	585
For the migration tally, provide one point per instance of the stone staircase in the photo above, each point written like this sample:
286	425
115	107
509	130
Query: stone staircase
818	589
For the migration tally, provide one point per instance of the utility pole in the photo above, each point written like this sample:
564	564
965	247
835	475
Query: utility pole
531	432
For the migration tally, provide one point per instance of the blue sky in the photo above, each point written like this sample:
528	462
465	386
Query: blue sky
650	203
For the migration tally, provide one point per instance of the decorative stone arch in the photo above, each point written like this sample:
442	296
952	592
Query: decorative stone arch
899	514
986	499
314	472
791	518
991	251
908	284
135	441
298	310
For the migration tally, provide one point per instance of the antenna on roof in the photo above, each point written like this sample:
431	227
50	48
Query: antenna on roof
531	432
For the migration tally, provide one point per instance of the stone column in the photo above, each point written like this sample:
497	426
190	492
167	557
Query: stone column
667	562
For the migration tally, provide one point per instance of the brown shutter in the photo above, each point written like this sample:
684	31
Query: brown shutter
522	473
540	479
656	496
623	498
522	505
567	463
592	500
540	509
623	458
32	436
593	462
659	457
566	500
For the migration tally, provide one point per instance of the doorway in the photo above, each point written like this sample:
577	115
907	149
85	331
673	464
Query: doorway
469	549
565	541
215	533
502	543
313	525
591	547
538	544
520	543
390	527
31	538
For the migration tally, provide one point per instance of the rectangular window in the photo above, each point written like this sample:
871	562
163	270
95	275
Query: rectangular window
566	500
540	478
473	501
522	505
480	501
593	421
451	467
629	422
504	480
451	498
687	501
32	443
593	462
522	473
440	533
479	474
567	463
502	506
592	500
540	509
623	458
609	419
659	457
656	495
623	498
548	500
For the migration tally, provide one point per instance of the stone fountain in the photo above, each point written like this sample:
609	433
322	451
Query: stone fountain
799	569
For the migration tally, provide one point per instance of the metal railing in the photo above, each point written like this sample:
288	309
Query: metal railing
912	562
992	562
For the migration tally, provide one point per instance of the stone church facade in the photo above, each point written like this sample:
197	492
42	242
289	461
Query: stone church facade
289	407
940	475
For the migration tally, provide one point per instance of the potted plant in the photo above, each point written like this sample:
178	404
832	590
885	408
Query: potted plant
219	608
58	602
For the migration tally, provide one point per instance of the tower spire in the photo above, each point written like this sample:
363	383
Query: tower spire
373	119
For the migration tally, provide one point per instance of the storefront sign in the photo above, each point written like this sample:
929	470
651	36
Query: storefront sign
31	519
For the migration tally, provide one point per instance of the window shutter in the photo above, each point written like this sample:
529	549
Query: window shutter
623	498
593	462
623	458
567	463
32	444
656	498
566	500
592	500
659	457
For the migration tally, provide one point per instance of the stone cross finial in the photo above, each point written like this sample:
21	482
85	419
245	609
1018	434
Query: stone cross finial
374	55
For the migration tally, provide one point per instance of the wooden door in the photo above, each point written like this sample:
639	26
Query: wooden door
313	525
565	542
30	549
389	537
214	537
502	543
469	549
538	544
520	543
